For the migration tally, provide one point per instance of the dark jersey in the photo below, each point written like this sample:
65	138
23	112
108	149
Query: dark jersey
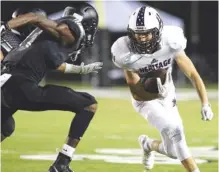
38	55
35	61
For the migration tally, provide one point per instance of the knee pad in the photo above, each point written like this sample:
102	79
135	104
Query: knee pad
90	97
168	146
173	133
90	103
8	127
176	136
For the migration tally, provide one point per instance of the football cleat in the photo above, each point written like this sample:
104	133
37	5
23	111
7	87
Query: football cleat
147	154
61	164
60	168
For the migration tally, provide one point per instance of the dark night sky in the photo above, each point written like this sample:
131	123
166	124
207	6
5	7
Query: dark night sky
208	19
208	16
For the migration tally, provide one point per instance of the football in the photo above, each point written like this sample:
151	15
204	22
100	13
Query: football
150	82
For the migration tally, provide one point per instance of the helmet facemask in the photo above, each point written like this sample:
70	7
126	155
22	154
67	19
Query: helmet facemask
147	46
90	24
88	18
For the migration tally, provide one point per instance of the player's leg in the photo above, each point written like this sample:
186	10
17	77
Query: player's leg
175	144
7	128
168	122
53	97
158	146
78	126
7	122
157	115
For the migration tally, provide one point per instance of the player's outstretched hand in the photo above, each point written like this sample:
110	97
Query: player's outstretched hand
92	67
164	89
206	112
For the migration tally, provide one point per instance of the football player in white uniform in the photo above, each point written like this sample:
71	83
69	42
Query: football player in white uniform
150	46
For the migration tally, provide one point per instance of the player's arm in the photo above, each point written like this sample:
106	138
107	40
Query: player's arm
31	18
187	67
60	31
136	88
80	69
177	43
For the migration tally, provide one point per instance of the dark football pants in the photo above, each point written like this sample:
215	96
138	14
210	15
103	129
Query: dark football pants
31	97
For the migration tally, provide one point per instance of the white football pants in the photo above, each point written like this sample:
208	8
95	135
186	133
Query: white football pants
164	116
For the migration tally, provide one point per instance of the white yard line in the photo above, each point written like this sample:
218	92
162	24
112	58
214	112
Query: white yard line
131	156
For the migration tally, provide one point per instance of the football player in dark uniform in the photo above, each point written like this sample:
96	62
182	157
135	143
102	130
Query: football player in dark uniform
11	38
28	64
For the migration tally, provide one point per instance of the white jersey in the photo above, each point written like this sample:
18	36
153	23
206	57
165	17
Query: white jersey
172	41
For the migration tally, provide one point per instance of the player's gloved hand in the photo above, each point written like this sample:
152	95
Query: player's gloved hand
164	89
92	67
206	112
83	69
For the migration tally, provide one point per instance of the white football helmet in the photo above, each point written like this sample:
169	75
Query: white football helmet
145	20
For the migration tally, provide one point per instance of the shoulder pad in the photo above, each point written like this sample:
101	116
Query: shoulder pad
120	51
175	38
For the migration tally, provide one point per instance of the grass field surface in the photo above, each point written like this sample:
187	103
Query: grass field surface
110	144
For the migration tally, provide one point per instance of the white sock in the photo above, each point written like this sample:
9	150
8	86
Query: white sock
196	170
161	149
68	150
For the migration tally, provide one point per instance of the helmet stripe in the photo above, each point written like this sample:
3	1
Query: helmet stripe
140	17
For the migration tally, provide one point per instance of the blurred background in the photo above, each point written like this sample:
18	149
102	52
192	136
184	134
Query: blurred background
116	125
199	20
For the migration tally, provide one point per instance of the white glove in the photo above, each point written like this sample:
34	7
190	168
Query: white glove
206	112
83	69
164	89
92	67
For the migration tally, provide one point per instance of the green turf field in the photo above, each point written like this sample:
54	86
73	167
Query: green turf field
116	125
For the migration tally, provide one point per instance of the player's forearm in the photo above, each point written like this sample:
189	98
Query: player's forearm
140	94
200	87
22	20
136	88
39	20
82	69
69	68
60	30
48	25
